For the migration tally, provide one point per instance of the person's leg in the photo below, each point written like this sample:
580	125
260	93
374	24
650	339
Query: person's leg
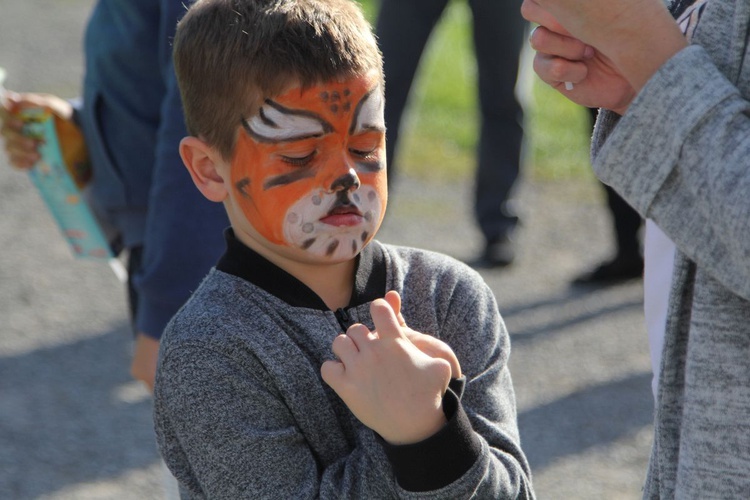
626	223
499	32
135	256
403	28
627	262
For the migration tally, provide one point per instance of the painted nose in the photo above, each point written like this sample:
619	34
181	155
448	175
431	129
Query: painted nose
347	182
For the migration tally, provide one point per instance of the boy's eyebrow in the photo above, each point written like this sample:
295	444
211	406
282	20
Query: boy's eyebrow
275	123
368	115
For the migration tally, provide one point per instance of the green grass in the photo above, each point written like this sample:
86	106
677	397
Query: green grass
439	134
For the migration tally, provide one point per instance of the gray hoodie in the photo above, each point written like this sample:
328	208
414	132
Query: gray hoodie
241	410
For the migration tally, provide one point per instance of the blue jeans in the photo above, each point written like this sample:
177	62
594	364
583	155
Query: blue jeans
403	28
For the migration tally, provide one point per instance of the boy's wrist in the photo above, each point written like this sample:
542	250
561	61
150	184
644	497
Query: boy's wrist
428	427
439	459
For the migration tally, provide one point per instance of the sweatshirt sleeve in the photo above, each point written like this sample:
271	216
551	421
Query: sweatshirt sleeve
183	236
423	466
478	453
681	157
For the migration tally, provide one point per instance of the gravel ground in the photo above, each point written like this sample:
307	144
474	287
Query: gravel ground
74	426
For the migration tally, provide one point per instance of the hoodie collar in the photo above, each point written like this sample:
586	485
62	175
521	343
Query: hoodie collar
239	260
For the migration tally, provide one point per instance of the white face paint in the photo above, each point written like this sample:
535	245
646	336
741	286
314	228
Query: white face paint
275	123
370	115
305	228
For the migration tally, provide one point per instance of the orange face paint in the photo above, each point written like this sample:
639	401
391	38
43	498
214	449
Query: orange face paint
309	168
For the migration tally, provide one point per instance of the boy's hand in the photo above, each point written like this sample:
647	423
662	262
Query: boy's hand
435	348
389	384
22	151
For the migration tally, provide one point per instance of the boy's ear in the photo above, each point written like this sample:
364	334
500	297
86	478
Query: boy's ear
202	161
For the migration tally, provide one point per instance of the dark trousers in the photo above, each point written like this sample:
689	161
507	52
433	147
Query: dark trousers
403	28
135	257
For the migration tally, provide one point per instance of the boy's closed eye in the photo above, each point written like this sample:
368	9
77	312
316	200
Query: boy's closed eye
298	153
299	159
366	145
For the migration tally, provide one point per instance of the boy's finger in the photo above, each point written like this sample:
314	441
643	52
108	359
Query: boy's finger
394	300
385	320
344	348
333	373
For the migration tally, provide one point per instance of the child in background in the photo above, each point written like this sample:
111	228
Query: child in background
259	394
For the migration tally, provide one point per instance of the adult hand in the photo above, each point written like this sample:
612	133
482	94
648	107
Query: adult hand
637	36
22	151
145	356
386	381
597	83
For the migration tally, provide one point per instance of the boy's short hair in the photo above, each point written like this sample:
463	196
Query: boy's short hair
229	54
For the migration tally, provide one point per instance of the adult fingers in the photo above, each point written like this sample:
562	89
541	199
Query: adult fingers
551	43
57	105
22	151
555	71
535	13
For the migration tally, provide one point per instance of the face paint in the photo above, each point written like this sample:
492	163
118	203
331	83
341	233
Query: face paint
309	168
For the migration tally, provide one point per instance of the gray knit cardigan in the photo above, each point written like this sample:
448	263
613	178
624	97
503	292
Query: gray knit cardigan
241	410
681	156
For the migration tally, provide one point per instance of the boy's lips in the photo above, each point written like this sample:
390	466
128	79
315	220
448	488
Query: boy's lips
343	216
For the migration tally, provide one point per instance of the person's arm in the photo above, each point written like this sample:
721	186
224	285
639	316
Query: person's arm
679	153
477	333
680	156
389	384
475	450
183	236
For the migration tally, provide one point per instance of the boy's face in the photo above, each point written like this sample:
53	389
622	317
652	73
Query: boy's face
309	168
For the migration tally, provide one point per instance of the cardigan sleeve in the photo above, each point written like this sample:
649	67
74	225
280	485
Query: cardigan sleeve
681	157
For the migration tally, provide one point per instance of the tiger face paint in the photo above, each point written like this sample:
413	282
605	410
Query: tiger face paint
309	168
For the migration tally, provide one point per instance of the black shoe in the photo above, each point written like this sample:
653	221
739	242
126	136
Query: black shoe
614	271
498	253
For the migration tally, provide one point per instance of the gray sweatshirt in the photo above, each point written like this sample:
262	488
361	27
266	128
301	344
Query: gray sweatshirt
681	156
241	410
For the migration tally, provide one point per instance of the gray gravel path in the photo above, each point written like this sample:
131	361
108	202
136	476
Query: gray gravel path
74	426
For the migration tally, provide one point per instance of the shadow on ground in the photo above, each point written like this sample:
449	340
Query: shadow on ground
595	416
71	414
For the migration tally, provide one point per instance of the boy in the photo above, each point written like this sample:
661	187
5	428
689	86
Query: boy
258	393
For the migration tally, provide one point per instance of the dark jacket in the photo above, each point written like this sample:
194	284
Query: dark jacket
132	119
